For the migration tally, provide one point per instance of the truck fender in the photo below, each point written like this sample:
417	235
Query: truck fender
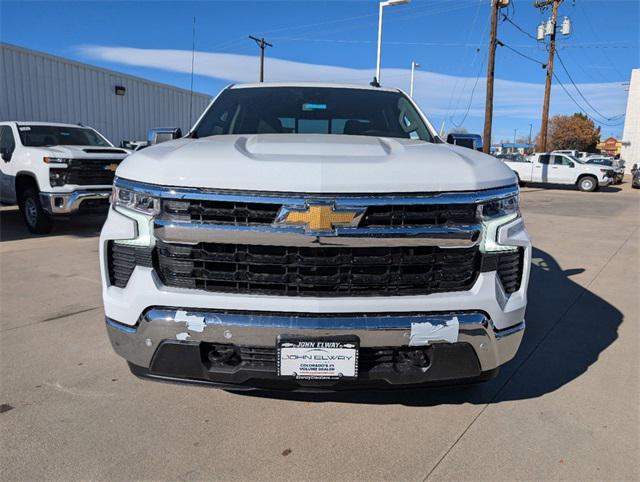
22	181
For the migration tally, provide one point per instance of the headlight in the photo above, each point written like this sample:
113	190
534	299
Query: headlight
136	201
499	207
57	177
56	160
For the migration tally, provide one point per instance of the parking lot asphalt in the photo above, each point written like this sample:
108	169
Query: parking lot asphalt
565	407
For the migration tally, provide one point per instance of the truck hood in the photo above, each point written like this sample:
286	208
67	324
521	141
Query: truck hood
315	163
78	152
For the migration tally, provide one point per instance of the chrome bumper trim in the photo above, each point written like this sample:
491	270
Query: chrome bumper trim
69	202
462	236
138	344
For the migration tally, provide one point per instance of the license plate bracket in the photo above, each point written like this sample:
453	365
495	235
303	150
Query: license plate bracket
318	358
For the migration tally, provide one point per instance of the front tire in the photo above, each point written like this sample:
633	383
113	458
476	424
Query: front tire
36	219
588	184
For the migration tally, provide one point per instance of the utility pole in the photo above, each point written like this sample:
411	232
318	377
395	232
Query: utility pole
496	5
262	43
547	86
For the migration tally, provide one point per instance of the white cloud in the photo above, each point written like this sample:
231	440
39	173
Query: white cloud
436	93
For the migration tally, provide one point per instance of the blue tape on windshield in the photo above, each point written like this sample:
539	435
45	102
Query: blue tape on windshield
314	106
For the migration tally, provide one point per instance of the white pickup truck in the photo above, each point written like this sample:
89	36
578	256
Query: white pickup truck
314	236
562	169
52	169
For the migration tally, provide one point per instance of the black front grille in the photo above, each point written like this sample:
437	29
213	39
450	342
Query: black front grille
264	214
509	269
87	172
122	259
508	265
104	151
223	212
321	271
412	215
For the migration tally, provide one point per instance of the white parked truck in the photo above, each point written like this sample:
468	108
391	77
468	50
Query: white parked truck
562	169
52	169
309	236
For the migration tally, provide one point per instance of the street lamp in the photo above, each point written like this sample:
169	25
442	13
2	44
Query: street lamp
388	3
414	66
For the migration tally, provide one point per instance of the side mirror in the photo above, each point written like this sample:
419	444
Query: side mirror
163	134
6	154
571	164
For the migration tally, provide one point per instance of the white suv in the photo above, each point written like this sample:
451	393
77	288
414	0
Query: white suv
52	169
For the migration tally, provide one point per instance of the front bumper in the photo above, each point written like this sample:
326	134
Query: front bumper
164	331
71	202
170	344
605	181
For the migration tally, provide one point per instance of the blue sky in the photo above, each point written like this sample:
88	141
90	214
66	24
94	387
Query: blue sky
335	40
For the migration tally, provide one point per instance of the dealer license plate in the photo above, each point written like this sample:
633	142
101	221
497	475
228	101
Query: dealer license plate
318	358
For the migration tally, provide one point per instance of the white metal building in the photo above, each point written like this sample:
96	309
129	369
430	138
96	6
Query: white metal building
35	86
630	151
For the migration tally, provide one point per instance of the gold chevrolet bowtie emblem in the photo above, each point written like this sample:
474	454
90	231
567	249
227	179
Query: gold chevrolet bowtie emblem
112	167
320	217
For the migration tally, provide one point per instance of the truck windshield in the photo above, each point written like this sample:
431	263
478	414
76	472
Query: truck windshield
313	110
44	136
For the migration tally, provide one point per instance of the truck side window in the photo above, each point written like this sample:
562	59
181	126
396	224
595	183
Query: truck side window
544	159
7	142
562	161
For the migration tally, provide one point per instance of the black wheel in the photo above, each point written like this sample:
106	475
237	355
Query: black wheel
588	184
36	219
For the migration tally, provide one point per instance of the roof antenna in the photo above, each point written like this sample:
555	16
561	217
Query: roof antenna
374	82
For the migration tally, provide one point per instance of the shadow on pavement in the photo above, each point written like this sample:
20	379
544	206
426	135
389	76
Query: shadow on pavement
12	227
567	328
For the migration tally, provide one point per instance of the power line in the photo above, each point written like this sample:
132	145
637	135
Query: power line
507	19
463	61
407	15
582	108
502	44
355	41
586	45
597	36
582	95
471	97
614	118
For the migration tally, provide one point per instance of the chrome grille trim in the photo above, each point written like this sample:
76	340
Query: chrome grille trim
174	229
463	236
339	199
